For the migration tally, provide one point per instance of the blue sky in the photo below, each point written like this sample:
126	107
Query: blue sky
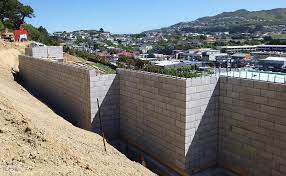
132	16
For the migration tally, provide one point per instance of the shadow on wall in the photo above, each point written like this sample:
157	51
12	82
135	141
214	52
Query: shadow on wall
64	88
202	132
72	93
54	106
106	89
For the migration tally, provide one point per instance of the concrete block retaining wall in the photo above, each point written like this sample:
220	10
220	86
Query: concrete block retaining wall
106	89
72	92
186	124
252	127
152	112
45	52
63	87
201	134
174	119
237	123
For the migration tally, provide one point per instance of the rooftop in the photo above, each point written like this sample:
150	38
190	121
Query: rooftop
276	58
252	46
167	62
277	46
244	46
275	77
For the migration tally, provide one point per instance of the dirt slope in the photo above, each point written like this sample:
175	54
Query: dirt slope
9	54
36	141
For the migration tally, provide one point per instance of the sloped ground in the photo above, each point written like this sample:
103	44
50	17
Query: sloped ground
36	141
9	54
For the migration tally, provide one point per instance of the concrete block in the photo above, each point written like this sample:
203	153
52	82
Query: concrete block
196	82
261	85
252	91
277	87
247	83
260	100
167	113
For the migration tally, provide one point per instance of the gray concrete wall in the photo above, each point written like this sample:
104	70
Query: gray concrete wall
72	91
186	124
55	52
63	87
193	124
252	127
152	113
106	89
201	133
173	119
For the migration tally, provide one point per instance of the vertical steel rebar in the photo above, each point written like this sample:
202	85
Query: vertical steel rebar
176	73
101	127
142	160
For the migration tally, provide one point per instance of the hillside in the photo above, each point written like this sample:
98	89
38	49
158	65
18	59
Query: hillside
36	141
9	54
237	21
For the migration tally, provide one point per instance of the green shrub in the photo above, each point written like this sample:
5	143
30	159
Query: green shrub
185	72
40	35
2	27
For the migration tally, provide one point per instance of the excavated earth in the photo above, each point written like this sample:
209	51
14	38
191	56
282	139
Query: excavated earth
36	141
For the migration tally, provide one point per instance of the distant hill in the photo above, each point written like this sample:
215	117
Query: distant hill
237	21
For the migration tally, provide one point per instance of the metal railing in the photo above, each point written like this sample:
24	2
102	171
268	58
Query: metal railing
268	76
246	73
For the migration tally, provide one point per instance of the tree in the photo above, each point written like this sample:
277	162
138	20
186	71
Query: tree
21	13
26	12
14	12
166	49
202	37
43	30
139	35
80	40
101	30
40	35
8	9
139	64
2	27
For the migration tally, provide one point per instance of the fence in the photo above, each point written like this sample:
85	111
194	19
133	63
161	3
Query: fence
276	77
268	76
